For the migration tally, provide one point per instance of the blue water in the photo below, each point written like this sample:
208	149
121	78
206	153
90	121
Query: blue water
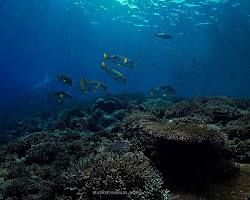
208	55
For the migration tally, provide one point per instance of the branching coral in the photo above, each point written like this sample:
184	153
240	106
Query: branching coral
115	144
128	173
25	188
23	144
135	118
157	107
241	150
217	109
239	128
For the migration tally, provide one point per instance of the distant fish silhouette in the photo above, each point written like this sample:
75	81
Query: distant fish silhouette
164	35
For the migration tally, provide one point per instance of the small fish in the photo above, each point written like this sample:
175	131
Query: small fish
92	86
164	35
113	73
104	65
120	60
116	75
100	86
106	56
60	96
65	80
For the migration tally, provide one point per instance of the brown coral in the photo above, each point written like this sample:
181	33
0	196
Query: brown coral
135	118
184	150
239	128
188	133
130	172
216	109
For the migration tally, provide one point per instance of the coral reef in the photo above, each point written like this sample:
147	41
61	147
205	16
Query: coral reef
241	150
239	128
131	173
130	145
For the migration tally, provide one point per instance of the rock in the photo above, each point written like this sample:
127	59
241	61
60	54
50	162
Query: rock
119	114
108	105
5	138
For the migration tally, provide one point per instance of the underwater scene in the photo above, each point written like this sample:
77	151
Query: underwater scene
125	100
